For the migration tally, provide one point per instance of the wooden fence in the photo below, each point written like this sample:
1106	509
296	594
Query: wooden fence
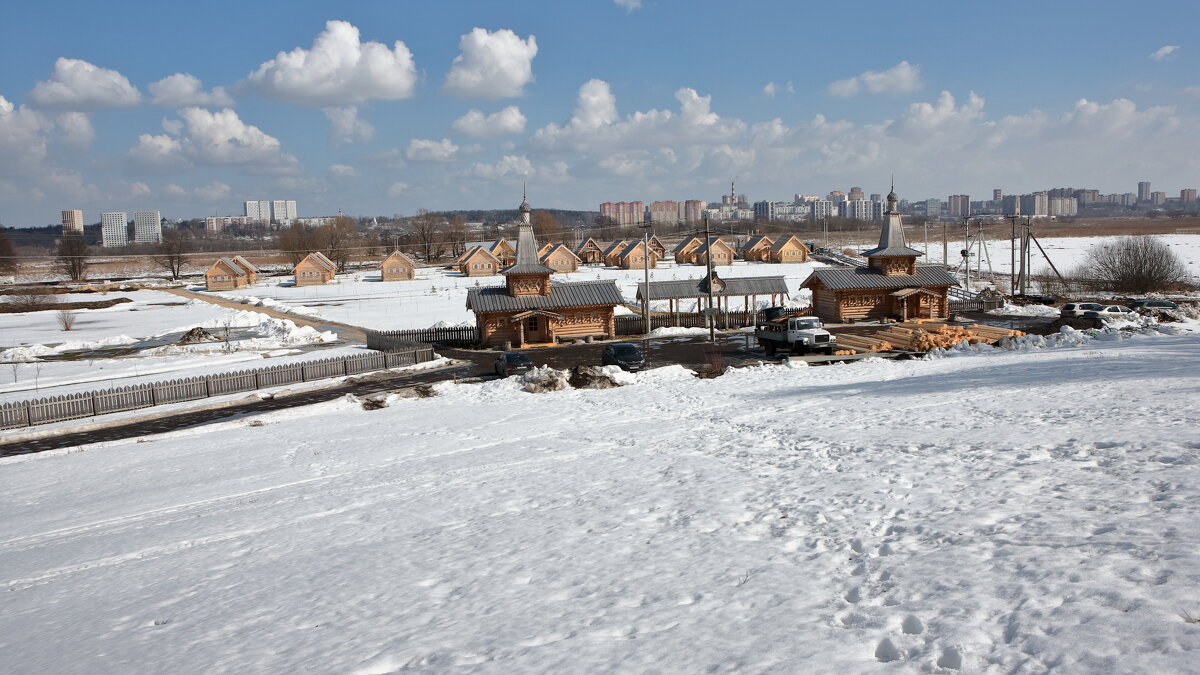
455	336
636	325
89	404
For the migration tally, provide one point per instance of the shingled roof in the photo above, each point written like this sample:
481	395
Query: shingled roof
572	294
842	278
694	288
527	255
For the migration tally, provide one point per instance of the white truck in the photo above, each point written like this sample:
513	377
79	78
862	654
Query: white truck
797	334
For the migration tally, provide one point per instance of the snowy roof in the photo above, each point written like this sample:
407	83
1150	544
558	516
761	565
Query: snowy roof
840	278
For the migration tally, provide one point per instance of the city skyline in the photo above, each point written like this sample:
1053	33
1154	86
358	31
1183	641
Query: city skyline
381	109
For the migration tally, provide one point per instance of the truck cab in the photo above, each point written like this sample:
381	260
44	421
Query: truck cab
799	334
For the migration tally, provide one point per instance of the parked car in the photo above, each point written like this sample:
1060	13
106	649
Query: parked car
512	362
1153	304
1109	312
623	354
1078	308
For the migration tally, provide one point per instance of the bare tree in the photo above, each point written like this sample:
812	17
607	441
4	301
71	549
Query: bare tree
172	252
66	318
1133	265
427	233
546	226
296	242
457	233
337	240
72	257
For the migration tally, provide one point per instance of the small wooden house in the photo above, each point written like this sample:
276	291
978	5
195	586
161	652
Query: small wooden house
892	285
722	253
613	252
634	257
479	262
589	252
657	247
227	274
397	267
314	270
544	250
685	252
757	248
789	250
560	259
503	251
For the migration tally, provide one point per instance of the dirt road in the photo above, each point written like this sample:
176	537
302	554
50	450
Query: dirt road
348	333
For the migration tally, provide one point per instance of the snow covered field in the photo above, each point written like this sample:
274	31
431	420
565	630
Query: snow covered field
994	512
437	296
26	339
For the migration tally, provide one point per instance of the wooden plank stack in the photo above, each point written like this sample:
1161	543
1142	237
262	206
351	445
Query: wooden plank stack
863	344
922	336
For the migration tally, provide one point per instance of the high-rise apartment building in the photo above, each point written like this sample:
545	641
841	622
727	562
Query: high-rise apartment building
1158	198
1144	191
1011	205
693	210
1063	206
856	209
856	194
1036	204
959	206
997	194
147	227
624	213
664	212
72	221
113	229
1187	195
257	210
283	212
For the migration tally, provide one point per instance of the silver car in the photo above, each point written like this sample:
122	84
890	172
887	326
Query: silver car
1109	312
1078	308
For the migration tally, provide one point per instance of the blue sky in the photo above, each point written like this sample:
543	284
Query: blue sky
111	106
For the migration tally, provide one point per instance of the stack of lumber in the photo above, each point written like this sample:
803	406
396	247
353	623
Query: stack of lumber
844	352
863	344
922	337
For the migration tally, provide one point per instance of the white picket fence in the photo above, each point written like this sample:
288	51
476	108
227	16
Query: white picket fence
89	404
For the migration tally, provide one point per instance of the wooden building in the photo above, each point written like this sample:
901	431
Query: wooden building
757	248
229	273
545	248
531	309
685	252
747	289
559	258
503	251
658	247
589	252
891	285
634	256
722	253
612	254
479	262
789	250
314	270
397	267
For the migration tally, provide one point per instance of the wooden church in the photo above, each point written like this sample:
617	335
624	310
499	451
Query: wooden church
531	309
891	285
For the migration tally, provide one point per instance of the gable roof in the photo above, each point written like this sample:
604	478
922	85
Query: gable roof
755	241
245	264
841	278
685	245
694	288
613	247
587	243
401	256
629	248
779	245
499	243
319	259
562	294
703	250
478	250
229	265
560	247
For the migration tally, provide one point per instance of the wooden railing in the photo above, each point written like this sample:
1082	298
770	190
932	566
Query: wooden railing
89	404
455	336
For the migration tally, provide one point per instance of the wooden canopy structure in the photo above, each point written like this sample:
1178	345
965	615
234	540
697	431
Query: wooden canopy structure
749	289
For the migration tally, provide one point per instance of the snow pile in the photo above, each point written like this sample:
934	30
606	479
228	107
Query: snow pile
31	352
543	379
1025	310
271	303
671	331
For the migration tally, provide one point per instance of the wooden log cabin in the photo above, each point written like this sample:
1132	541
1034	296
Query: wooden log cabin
757	248
788	250
226	274
397	267
314	270
560	259
891	285
634	257
531	309
479	262
612	254
589	252
722	253
658	247
503	251
685	252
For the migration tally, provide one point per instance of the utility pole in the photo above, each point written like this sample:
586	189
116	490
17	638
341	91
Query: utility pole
712	318
646	260
945	244
1012	256
966	252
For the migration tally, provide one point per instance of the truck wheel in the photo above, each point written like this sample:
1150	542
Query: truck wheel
769	346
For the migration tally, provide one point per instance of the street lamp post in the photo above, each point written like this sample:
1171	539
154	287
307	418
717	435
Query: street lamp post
646	264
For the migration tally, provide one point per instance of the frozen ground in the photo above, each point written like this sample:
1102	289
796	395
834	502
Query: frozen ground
437	296
991	512
149	326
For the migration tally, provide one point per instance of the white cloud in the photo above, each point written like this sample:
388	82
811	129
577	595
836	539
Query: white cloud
900	78
28	172
138	189
770	89
346	127
76	128
184	89
396	189
214	191
1165	52
338	69
421	150
508	165
211	138
491	65
343	170
78	85
477	125
629	5
1193	90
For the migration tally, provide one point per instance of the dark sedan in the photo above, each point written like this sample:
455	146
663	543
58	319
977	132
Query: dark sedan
623	354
